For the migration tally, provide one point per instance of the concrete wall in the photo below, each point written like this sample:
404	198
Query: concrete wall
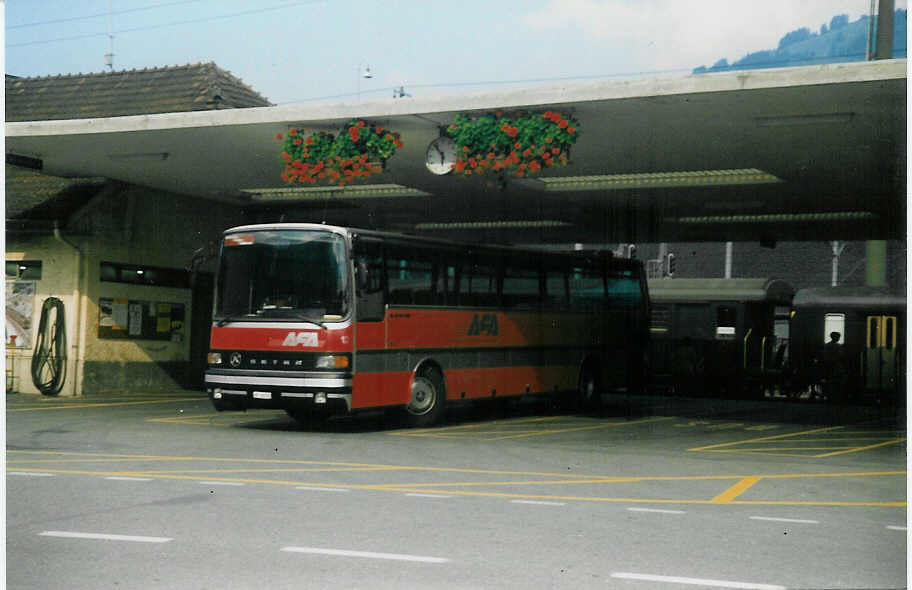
126	225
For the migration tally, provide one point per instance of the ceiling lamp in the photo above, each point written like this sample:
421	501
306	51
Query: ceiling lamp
368	191
604	182
778	217
516	224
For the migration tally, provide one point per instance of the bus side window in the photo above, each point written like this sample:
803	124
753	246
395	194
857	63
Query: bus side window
478	286
446	290
587	289
623	289
556	289
521	285
368	255
409	275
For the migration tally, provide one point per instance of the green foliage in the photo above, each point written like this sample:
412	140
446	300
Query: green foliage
356	152
518	143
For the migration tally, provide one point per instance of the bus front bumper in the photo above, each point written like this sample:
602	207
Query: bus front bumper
233	391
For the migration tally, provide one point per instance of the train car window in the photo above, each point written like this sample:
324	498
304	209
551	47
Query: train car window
726	322
833	322
694	320
889	332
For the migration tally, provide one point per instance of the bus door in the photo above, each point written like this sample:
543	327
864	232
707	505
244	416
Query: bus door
880	352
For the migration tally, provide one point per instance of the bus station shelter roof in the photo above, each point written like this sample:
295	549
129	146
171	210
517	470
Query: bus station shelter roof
803	153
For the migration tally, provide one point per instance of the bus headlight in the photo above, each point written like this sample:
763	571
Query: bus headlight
332	361
214	358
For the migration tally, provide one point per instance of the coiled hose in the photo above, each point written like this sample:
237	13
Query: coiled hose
49	356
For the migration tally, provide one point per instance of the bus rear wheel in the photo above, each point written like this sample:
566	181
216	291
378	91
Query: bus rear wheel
427	398
589	392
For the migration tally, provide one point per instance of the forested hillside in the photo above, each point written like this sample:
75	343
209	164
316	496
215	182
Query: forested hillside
836	41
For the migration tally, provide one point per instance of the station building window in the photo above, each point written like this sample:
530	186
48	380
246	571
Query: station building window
23	270
145	275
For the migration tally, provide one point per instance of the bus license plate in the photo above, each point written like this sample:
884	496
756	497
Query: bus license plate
262	395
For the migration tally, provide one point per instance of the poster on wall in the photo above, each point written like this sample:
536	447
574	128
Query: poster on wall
140	320
20	303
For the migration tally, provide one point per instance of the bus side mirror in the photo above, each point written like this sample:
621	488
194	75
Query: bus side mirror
361	278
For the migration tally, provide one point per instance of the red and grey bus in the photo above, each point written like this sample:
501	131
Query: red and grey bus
317	319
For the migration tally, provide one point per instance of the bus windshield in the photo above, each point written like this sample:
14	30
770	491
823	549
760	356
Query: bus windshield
284	274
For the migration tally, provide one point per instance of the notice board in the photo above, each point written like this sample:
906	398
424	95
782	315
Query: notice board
134	319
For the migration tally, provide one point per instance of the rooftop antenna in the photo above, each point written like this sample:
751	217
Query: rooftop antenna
109	56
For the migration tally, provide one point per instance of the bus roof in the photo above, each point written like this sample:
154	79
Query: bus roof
695	290
846	297
605	255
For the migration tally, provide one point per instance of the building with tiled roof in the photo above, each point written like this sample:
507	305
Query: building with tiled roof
192	87
77	239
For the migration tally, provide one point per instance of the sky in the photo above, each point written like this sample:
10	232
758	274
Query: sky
294	51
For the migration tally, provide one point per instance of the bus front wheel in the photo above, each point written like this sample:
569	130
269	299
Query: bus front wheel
427	398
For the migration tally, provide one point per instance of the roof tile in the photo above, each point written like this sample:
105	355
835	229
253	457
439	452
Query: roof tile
133	92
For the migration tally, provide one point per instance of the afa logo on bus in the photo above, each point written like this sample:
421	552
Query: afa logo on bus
484	324
308	339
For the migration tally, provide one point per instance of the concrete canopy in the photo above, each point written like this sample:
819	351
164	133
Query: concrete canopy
834	135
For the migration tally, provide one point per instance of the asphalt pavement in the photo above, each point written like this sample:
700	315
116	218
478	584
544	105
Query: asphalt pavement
161	491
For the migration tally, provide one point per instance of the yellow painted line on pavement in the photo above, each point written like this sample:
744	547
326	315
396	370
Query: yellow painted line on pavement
736	490
276	470
764	438
865	448
119	456
77	406
505	432
727	497
581	428
406	488
463	427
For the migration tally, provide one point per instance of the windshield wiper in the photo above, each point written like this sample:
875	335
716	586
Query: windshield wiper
231	317
227	320
312	320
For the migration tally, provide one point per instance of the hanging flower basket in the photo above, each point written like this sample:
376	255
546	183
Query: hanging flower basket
518	144
357	152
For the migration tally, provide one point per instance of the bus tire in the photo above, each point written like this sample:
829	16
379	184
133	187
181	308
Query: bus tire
427	398
589	389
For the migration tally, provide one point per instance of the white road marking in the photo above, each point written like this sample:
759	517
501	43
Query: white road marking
896	528
30	474
220	483
105	537
367	554
127	478
538	502
320	489
417	495
794	520
658	510
696	581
